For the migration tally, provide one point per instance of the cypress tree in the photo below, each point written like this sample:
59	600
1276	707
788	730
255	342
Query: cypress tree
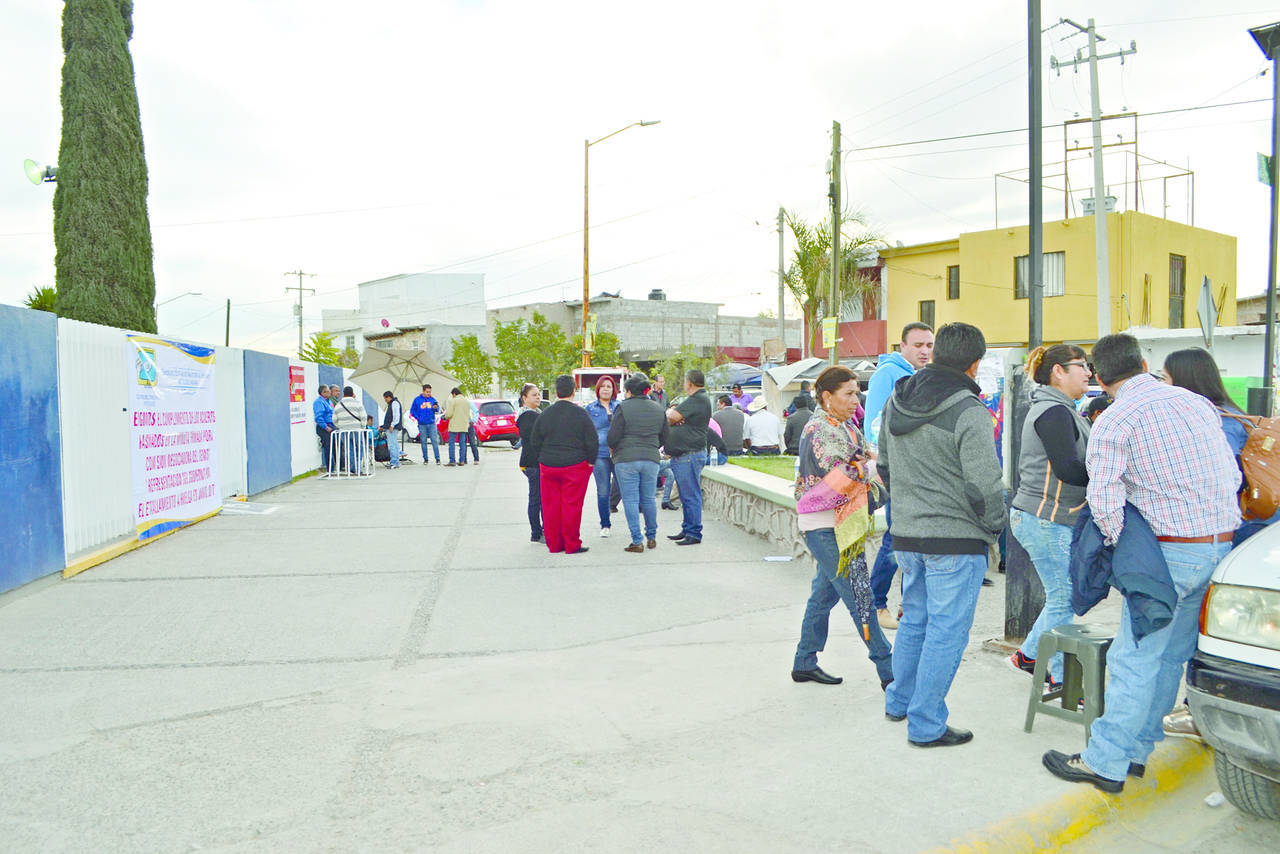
100	225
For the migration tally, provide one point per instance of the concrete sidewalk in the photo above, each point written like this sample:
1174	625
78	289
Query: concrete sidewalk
391	665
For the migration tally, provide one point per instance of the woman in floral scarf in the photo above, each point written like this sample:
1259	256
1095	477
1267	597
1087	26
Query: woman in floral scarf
832	499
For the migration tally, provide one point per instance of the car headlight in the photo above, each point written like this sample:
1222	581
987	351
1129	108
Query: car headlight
1248	615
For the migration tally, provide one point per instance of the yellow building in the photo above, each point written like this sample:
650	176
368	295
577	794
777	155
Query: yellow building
1156	271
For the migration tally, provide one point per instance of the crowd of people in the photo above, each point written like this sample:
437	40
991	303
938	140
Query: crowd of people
622	444
1118	473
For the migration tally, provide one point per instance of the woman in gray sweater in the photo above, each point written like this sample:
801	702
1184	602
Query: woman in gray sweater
638	429
1051	487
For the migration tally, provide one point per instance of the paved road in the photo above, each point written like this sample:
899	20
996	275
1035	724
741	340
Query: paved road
390	665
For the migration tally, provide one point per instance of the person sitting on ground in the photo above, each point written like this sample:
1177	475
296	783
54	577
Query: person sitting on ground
638	429
834	519
567	449
796	422
1051	490
762	436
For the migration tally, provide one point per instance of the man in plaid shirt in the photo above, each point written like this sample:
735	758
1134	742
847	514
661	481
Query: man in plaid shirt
1162	449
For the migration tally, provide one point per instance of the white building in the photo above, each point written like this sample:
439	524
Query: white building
420	310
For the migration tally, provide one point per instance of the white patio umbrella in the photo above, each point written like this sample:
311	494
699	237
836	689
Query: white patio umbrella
402	372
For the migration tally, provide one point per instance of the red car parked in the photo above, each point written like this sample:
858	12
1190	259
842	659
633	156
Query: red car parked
497	422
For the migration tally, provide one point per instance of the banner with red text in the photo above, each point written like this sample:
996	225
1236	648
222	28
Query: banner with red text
174	437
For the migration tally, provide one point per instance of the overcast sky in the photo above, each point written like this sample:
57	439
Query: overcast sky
360	141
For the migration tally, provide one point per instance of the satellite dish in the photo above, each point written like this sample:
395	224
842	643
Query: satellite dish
38	174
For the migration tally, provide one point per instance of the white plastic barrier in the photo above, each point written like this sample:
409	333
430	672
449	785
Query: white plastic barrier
350	454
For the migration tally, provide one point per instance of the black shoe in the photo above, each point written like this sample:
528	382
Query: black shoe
538	539
885	683
1137	769
1073	770
579	550
679	536
894	718
817	674
950	738
987	582
687	541
668	505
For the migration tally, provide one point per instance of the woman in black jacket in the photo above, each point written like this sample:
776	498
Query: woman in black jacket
638	429
530	397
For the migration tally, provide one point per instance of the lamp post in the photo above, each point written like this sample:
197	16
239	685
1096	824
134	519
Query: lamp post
586	224
179	296
1262	401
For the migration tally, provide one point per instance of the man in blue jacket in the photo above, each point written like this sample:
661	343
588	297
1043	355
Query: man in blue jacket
322	411
916	351
425	409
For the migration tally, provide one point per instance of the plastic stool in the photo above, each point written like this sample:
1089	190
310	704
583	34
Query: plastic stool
1084	675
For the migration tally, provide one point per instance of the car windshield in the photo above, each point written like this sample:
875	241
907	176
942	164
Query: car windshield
497	407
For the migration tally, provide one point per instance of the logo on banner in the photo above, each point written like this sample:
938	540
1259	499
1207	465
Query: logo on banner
145	363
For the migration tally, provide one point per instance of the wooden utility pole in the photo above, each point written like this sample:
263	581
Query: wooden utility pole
782	323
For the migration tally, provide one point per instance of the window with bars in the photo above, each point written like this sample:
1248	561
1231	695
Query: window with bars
1177	289
1055	275
926	312
953	282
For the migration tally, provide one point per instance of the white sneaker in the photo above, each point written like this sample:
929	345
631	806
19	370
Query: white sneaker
604	533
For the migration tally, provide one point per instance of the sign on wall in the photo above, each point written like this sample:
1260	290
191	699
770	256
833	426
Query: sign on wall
297	394
173	433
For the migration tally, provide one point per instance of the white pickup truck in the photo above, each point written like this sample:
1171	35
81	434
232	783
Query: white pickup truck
1233	680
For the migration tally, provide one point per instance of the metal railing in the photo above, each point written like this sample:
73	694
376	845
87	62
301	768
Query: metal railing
350	453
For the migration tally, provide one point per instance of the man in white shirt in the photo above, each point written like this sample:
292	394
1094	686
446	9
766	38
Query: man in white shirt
762	432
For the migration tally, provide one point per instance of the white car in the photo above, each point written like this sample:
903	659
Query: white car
1233	680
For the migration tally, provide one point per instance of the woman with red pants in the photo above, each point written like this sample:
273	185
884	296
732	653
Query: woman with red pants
567	448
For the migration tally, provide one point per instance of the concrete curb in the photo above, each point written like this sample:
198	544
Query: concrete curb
1057	823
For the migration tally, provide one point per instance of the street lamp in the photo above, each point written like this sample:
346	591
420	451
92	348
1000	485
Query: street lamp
179	296
1262	402
586	224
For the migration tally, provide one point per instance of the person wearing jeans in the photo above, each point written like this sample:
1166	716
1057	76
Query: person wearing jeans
601	411
832	511
638	429
1051	487
938	460
687	445
458	413
530	398
424	410
882	573
1140	460
391	424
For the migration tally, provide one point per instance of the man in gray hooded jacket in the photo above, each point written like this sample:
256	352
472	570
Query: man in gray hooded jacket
938	459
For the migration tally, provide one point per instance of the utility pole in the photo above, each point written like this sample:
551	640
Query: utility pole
782	322
834	192
1099	186
1262	401
226	341
1035	123
298	308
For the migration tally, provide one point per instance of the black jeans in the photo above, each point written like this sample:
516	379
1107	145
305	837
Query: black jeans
535	501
